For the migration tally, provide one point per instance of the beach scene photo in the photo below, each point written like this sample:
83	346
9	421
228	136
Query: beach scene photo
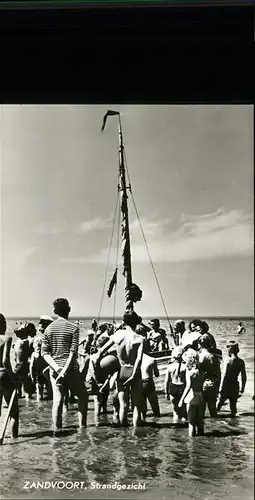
127	302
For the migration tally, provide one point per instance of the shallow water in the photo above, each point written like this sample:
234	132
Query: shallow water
160	456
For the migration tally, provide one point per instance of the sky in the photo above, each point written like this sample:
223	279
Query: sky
191	171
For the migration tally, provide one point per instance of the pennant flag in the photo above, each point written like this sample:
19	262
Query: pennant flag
109	113
113	283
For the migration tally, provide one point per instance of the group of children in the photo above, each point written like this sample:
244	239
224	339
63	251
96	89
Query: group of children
194	381
110	360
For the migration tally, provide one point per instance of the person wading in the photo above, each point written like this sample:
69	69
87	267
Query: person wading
8	383
60	350
129	348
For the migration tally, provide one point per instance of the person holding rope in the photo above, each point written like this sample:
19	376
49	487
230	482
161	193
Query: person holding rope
7	379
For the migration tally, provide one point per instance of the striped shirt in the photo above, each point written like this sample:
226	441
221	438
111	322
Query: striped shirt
60	338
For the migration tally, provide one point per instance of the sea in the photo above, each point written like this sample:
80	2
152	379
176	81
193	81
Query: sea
158	461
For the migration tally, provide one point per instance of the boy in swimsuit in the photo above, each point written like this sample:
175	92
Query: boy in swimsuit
175	384
22	353
192	394
229	389
129	348
37	367
7	379
149	368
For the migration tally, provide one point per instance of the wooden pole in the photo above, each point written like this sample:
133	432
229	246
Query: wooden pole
125	217
8	415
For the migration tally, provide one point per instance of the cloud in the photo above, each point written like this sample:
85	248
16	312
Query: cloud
215	221
210	236
50	228
151	229
96	224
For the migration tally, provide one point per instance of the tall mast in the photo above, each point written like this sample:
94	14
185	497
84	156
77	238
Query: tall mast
126	246
132	291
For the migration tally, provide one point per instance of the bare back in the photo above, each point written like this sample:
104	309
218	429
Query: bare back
177	373
127	343
147	366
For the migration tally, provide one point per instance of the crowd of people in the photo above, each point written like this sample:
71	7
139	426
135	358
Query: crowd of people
118	360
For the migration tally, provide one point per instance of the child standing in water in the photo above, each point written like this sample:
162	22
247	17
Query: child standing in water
175	384
229	389
21	357
149	369
192	394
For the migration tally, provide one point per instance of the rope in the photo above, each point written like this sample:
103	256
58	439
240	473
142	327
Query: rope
108	259
147	248
117	259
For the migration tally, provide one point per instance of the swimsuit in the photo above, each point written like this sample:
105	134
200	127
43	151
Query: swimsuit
6	383
195	409
148	387
125	372
176	390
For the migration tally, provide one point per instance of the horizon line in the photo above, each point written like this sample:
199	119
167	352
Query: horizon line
146	317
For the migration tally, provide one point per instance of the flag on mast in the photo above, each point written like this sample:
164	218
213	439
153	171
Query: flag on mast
113	283
110	112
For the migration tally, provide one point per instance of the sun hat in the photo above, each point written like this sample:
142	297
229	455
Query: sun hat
232	343
45	319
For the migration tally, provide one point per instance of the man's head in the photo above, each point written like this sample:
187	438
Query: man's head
141	330
21	331
103	327
155	323
31	329
2	324
204	327
94	324
102	340
232	347
61	307
110	329
194	324
205	341
179	326
177	353
131	319
44	321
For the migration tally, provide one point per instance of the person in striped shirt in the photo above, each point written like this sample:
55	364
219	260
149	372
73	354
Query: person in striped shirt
60	351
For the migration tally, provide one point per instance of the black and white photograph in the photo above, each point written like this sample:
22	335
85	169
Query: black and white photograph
126	301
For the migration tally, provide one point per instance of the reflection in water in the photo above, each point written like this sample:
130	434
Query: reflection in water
56	453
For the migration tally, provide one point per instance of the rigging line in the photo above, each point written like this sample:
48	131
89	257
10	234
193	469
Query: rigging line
117	258
147	248
108	258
